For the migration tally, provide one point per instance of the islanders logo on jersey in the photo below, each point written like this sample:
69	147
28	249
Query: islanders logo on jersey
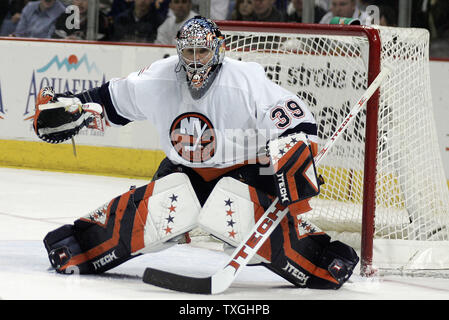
193	137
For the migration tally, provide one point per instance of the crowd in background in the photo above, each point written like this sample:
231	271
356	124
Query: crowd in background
156	21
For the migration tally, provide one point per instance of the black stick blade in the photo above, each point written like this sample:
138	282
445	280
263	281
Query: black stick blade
177	282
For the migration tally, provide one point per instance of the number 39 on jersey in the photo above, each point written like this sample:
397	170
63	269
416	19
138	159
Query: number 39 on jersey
282	115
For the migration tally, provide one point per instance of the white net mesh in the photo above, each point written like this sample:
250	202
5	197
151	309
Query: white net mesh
329	72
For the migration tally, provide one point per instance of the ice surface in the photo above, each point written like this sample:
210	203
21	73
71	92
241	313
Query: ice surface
33	203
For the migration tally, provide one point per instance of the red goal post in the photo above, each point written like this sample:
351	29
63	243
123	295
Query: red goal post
370	188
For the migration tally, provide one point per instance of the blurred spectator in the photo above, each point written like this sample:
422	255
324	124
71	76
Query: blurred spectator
11	14
180	12
363	4
105	6
243	10
139	23
388	16
439	16
439	22
294	12
265	10
66	28
218	8
345	9
4	10
323	4
420	15
282	5
119	6
38	19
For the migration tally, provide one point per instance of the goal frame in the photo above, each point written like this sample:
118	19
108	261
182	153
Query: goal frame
371	137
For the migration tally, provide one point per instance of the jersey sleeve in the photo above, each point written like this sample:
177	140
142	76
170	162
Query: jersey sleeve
123	98
278	110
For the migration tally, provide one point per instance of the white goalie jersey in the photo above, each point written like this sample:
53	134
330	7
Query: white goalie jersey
230	124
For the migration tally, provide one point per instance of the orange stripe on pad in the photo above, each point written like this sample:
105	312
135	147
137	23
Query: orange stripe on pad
137	239
109	244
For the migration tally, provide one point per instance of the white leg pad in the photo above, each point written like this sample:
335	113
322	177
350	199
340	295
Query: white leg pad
228	213
173	210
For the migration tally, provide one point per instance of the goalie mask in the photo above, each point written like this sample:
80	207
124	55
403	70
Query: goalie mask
200	47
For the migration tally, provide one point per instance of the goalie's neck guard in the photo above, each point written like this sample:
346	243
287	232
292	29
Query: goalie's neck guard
198	93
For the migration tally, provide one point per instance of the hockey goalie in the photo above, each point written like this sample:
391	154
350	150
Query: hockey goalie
211	113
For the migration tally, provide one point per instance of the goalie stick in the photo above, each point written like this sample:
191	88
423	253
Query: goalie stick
222	280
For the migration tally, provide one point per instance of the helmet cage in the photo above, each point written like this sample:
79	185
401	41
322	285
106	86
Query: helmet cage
198	33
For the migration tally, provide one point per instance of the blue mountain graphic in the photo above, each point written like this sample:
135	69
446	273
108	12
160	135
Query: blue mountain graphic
69	66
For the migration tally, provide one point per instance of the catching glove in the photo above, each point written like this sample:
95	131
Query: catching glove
58	117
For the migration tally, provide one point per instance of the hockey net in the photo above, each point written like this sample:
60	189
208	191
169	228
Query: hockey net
385	191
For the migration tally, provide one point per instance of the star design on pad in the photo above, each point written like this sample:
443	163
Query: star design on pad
229	212
170	219
306	226
96	215
231	223
283	145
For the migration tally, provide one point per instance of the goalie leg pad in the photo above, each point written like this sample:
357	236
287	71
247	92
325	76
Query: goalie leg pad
297	250
142	220
305	256
230	212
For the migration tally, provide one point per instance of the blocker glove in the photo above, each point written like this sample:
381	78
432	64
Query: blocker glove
58	117
295	175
